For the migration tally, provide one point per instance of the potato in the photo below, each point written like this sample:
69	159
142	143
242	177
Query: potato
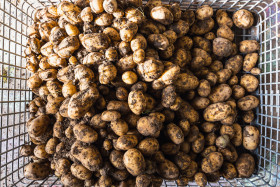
248	116
197	63
245	165
222	18
86	15
70	180
200	102
234	64
148	146
85	133
216	112
193	134
243	19
186	82
186	111
200	179
139	56
180	27
129	77
68	46
116	159
134	15
167	170
39	151
184	42
181	57
162	15
119	127
223	75
202	43
191	170
128	31
249	82
70	12
225	32
255	71
168	96
126	142
251	137
89	156
213	162
198	144
96	6
208	150
104	19
229	171
250	61
159	41
185	126
26	150
175	133
68	89
143	180
51	145
137	102
204	12
201	27
169	149
249	46
95	41
134	162
80	171
81	102
248	102
148	125
204	88
222	141
203	54
38	126
36	171
34	81
126	63
210	138
71	30
222	47
220	93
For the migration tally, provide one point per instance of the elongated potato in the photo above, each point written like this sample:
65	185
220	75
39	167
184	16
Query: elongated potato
36	171
85	133
134	162
216	112
175	133
251	137
248	102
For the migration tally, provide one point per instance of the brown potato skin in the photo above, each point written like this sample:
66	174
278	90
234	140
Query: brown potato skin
249	46
248	102
213	162
148	125
229	171
222	47
175	133
249	82
168	170
148	146
36	171
225	32
234	64
201	27
220	93
198	144
243	19
134	161
216	112
238	136
204	12
245	165
251	137
200	179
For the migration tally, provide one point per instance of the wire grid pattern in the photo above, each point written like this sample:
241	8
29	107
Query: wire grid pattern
16	15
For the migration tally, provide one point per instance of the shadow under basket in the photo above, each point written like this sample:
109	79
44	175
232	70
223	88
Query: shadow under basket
16	15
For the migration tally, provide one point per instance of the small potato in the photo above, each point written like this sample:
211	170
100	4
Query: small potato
180	28
216	66
168	96
137	102
68	89
249	46
220	93
128	31
193	134
234	64
237	138
181	57
134	15
110	6
95	41
201	27
248	102
107	73
223	75
249	82
225	32
204	12
121	94
227	130
119	127
191	170
229	171
162	15
200	102
149	28
202	43
85	133
80	171
148	125
251	137
34	81
204	88
126	63
186	111
129	77
238	91
171	36
26	150
197	63
175	133
96	6
243	19
48	75
198	144
188	16
255	71
104	19
210	138
233	80
203	54
134	162
139	56
186	82
245	165
159	41
250	61
36	171
138	42
200	179
213	162
126	142
208	150
86	15
70	180
184	42
112	33
148	146
169	149
116	159
71	30
143	180
89	156
248	116
222	141
40	152
168	170
182	160
222	47
150	70
51	145
68	46
216	112
110	115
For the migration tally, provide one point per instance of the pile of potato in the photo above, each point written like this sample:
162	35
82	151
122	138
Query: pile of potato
129	95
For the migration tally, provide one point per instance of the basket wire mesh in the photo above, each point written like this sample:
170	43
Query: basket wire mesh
16	15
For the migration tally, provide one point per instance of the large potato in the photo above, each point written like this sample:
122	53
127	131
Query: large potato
250	60
248	102
245	165
213	162
95	42
85	133
249	46
251	137
80	171
134	162
126	142
243	19
148	125
168	170
249	82
220	93
162	15
36	171
216	112
234	64
222	47
148	146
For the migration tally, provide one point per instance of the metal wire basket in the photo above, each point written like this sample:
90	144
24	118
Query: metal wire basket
16	15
